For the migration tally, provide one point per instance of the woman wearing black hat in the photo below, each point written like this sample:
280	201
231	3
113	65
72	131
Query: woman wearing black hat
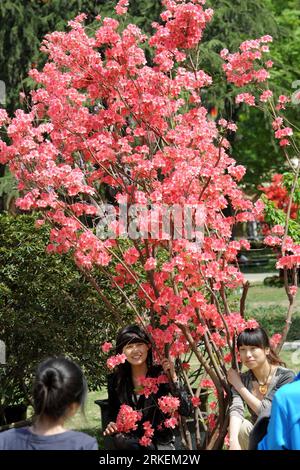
124	385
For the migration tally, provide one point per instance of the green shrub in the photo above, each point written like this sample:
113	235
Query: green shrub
272	320
46	308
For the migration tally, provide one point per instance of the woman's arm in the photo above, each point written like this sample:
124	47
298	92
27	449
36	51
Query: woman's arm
253	402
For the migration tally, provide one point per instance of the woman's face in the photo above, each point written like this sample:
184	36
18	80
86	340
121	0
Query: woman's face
136	353
253	356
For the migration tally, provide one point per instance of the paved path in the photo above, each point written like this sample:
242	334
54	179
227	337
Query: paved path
258	277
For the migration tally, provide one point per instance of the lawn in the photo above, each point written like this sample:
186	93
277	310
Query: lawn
260	295
90	422
269	306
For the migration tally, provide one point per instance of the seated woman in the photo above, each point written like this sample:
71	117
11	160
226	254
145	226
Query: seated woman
124	384
59	390
255	388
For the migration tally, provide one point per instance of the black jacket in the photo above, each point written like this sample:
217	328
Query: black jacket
148	406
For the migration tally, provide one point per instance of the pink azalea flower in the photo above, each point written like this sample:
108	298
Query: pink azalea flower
278	230
195	401
266	95
168	404
293	290
127	419
114	361
150	264
122	7
275	340
171	422
106	347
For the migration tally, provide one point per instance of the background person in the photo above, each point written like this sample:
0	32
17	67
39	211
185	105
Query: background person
59	390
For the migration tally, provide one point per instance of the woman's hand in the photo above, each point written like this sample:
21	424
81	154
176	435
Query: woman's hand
111	428
168	367
234	379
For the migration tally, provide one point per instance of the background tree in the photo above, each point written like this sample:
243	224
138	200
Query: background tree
232	23
110	118
24	23
46	308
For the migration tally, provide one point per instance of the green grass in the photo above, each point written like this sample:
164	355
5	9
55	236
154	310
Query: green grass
268	305
91	415
266	296
90	422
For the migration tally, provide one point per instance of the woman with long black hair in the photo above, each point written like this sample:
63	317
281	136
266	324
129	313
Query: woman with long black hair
255	388
124	386
59	390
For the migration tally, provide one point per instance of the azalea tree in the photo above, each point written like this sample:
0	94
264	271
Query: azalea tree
101	117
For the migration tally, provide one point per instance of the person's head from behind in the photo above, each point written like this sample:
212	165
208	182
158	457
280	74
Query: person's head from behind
254	347
59	388
134	342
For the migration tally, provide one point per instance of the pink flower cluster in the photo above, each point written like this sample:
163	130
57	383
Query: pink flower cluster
114	361
127	419
275	340
171	422
122	7
146	439
290	257
149	385
183	29
106	347
293	290
196	401
283	132
4	119
168	404
240	67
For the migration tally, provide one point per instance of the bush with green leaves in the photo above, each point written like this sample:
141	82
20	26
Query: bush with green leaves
271	318
46	308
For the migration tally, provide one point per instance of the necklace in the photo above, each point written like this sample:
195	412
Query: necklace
263	387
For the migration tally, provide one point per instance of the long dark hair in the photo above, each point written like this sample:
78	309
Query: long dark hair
259	338
129	334
59	382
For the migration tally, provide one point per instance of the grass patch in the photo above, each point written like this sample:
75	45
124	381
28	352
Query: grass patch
90	422
292	360
268	305
266	296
